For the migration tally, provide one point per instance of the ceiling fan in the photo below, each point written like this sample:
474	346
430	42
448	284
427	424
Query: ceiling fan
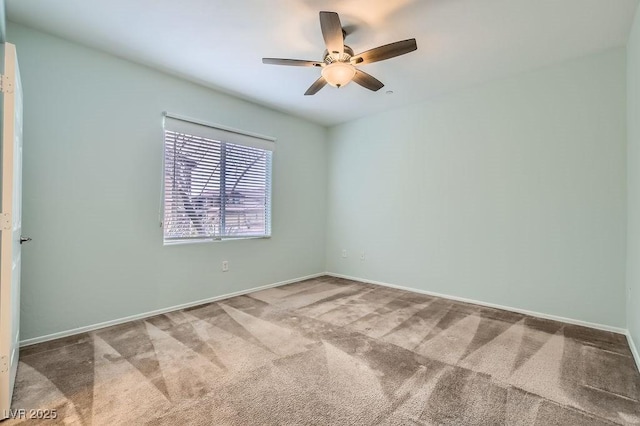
339	64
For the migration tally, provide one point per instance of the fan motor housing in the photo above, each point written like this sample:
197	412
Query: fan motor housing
345	57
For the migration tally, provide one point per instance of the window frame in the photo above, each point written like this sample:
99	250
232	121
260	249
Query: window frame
261	139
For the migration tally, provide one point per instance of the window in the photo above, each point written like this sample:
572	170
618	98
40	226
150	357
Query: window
217	183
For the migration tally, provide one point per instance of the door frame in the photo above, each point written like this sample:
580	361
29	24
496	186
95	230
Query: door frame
9	233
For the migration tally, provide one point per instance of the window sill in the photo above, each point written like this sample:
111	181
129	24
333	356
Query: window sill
213	240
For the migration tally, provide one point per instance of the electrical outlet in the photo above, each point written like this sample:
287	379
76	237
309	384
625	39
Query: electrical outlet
225	266
344	252
363	256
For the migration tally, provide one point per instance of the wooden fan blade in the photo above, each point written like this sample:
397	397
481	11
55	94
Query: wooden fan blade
387	51
291	62
367	81
332	32
316	86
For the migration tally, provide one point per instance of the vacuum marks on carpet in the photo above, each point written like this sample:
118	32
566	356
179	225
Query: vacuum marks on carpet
332	351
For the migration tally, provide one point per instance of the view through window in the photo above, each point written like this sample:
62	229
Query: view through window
217	184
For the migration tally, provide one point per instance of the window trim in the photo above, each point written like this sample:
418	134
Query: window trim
270	145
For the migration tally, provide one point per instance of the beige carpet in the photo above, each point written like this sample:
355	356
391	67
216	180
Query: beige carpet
330	351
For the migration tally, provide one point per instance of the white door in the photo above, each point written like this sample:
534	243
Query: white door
11	219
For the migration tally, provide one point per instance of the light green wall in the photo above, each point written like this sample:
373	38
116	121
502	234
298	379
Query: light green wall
92	175
3	22
633	182
512	193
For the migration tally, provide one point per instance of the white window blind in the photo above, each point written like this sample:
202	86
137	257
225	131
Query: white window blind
217	182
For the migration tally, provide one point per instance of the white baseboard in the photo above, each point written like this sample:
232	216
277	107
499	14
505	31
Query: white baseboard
634	350
489	305
84	329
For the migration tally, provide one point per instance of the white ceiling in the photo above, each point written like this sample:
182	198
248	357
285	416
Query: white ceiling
220	43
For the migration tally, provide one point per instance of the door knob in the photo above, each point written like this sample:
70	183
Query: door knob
24	240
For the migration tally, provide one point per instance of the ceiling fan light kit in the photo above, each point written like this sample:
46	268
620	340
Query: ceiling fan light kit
338	74
339	65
